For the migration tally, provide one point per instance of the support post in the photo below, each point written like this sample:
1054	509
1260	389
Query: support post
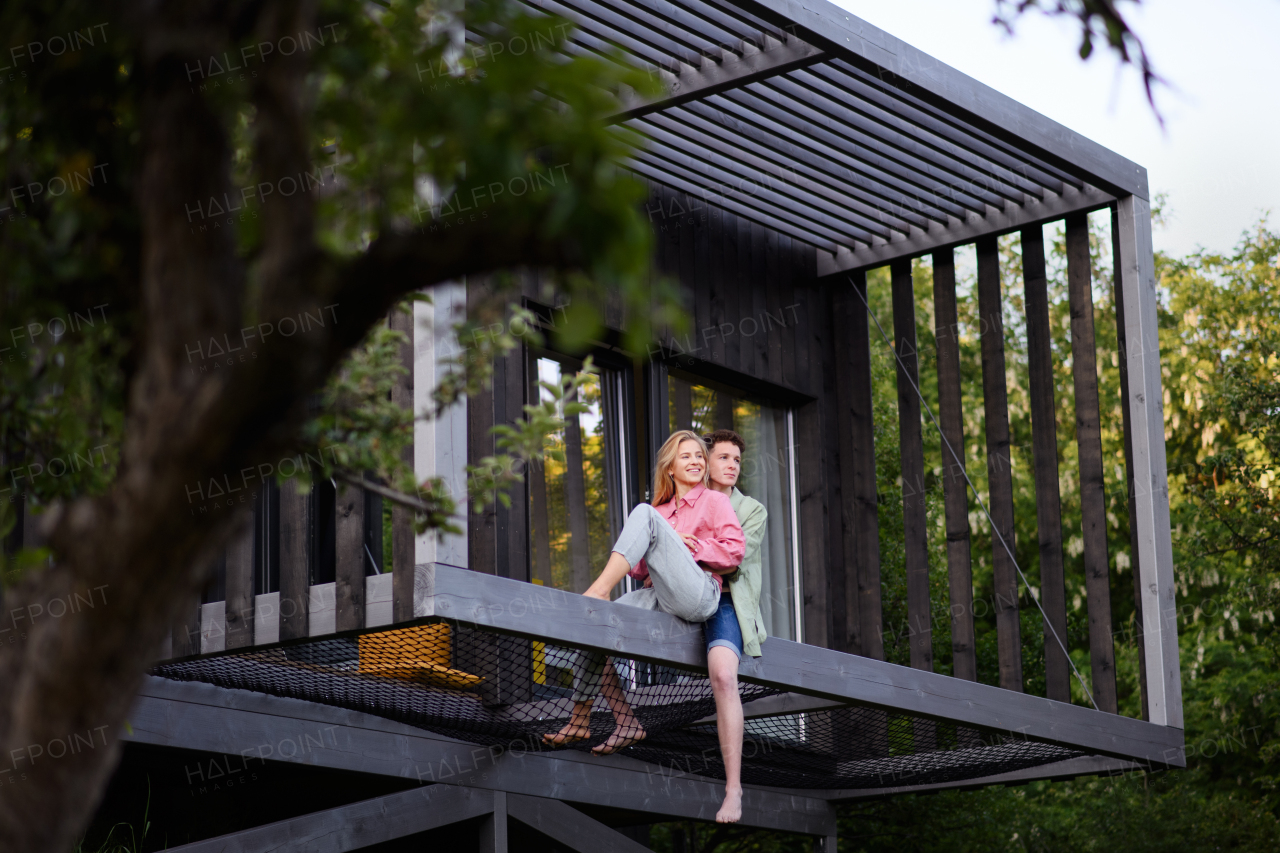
493	827
402	540
995	400
1145	403
240	588
349	559
295	562
1044	441
914	513
1134	554
1093	495
858	470
568	826
955	488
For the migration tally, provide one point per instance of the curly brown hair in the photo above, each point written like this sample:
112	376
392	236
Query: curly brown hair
713	438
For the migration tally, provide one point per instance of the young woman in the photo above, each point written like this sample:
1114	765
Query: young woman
679	546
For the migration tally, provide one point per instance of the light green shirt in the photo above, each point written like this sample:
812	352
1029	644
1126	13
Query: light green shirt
744	584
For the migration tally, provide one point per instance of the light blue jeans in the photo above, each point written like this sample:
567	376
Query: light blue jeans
680	586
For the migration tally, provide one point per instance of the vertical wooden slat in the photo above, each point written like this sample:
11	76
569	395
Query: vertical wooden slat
955	488
700	281
999	473
516	565
759	338
240	588
1093	494
1044	441
772	318
402	544
682	402
186	629
295	562
1139	632
863	508
538	518
716	283
349	559
724	411
844	307
811	501
575	499
911	441
836	576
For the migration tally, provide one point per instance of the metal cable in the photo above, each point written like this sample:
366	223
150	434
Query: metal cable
959	462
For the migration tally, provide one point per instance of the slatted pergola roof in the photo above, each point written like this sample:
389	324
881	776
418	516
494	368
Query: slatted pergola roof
811	122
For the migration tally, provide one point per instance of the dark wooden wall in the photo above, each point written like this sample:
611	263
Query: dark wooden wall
759	321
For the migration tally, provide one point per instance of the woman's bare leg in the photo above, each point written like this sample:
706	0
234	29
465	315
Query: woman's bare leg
627	729
578	728
722	667
612	574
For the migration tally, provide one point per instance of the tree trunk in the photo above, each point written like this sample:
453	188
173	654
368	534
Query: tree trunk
87	628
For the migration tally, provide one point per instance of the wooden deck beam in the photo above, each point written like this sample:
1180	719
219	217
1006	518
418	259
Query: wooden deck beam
190	715
552	615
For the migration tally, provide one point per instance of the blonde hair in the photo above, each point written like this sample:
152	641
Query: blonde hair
664	483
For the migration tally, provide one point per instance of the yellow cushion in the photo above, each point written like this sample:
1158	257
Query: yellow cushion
421	653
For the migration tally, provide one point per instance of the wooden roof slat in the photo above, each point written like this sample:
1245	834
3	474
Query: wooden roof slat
687	185
708	24
826	80
824	25
789	195
814	124
852	174
695	134
765	202
624	17
644	49
910	152
918	112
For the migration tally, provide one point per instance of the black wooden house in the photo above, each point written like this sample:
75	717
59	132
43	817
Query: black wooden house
335	691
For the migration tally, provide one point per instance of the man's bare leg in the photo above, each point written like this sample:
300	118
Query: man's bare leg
722	667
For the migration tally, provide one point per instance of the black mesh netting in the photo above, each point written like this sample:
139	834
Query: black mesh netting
499	690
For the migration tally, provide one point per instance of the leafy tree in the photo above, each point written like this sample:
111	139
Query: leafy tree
236	195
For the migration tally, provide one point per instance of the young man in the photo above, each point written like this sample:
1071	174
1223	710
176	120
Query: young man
738	625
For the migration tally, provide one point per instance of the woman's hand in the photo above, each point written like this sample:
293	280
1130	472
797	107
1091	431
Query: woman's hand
691	542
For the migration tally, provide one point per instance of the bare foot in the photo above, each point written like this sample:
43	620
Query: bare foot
571	733
622	737
731	809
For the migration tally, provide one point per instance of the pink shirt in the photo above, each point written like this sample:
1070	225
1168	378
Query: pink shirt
708	517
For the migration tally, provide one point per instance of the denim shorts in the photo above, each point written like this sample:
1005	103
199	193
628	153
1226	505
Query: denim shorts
722	629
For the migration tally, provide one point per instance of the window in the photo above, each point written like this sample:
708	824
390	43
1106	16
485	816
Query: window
578	497
768	475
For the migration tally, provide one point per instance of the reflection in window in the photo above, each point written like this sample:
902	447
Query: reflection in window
766	476
572	504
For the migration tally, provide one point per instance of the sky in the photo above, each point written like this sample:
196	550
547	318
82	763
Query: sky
1218	155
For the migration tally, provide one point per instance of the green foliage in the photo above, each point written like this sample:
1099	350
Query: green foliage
410	129
1219	346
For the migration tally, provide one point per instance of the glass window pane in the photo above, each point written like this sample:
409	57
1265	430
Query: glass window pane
766	476
571	508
